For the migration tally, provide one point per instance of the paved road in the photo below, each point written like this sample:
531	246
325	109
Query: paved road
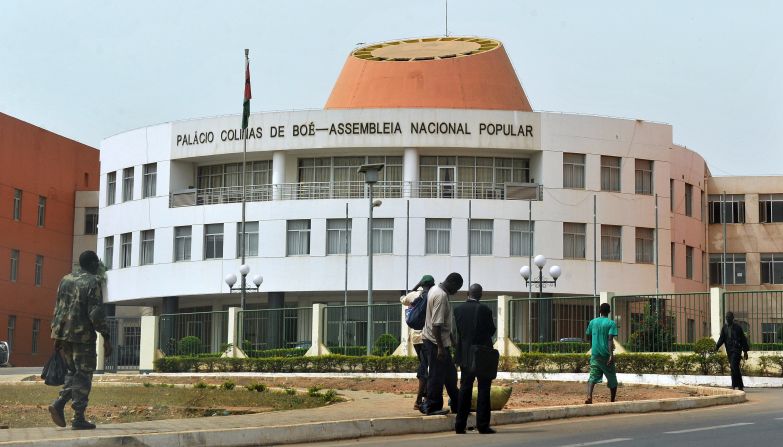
19	371
757	423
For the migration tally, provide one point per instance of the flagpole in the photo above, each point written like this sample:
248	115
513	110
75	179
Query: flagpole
244	180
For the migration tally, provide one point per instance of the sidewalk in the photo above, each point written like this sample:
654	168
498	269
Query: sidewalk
364	414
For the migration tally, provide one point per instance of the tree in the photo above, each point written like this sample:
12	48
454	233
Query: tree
655	333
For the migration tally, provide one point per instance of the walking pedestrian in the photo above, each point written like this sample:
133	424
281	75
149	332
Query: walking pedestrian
78	315
437	341
425	284
602	332
475	327
733	337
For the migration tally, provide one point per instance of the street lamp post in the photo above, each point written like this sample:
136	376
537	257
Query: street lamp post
544	306
370	172
231	279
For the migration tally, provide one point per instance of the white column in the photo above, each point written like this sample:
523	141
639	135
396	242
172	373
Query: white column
233	334
100	358
278	174
716	312
606	297
319	322
406	347
504	344
410	171
148	350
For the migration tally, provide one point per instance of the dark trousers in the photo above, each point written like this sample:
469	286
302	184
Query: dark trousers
465	398
442	372
736	370
421	372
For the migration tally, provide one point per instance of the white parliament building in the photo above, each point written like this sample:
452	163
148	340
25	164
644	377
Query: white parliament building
466	162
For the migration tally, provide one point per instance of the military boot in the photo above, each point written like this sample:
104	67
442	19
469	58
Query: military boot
80	423
57	411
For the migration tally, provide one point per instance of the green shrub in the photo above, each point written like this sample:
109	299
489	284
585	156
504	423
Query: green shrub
228	385
682	347
147	385
771	360
290	391
200	385
329	396
385	345
288	352
685	364
313	391
189	345
555	347
257	387
654	333
704	350
349	350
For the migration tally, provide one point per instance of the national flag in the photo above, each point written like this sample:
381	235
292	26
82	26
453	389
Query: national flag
246	104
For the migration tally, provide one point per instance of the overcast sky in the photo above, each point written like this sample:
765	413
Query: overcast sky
91	69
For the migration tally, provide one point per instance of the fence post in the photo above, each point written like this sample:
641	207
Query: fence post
233	338
716	316
608	297
319	322
504	344
406	347
148	349
100	358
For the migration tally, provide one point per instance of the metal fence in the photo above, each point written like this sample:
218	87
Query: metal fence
272	329
125	339
193	333
346	328
493	306
760	313
663	322
551	320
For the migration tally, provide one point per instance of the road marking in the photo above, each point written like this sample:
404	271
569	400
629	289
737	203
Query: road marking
690	430
605	441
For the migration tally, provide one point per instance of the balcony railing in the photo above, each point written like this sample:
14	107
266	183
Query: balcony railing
357	190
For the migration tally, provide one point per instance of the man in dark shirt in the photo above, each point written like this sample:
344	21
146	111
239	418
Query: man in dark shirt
474	326
733	337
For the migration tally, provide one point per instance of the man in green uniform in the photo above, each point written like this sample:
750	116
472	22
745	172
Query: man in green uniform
78	315
602	331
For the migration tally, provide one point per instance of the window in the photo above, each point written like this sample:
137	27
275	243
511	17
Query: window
251	239
573	240
338	236
10	332
438	236
486	170
257	173
770	208
733	268
733	209
108	252
41	210
673	256
610	173
644	177
298	238
690	330
91	220
611	243
126	243
36	332
771	332
645	243
213	241
127	184
147	253
382	236
689	262
149	180
688	199
574	171
481	237
182	243
772	268
17	204
521	237
38	270
701	206
14	265
111	188
671	195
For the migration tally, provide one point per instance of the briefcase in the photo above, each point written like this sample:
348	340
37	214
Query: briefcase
484	361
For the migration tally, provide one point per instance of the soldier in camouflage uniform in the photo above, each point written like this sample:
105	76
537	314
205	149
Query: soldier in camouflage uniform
78	315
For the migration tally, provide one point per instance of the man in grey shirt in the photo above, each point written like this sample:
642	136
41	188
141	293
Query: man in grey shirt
437	341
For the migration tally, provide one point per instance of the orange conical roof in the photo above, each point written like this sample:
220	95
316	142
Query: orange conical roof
437	72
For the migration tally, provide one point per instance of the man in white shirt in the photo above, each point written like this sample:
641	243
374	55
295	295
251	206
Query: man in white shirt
426	283
437	338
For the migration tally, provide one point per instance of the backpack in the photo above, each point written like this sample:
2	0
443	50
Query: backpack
416	314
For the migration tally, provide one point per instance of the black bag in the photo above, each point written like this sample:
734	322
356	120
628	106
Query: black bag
483	359
54	370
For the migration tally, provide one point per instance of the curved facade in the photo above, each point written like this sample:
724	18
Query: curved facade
456	189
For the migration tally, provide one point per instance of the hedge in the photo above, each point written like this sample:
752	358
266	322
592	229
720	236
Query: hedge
555	347
527	362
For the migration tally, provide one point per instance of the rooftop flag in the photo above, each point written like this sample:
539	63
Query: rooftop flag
246	104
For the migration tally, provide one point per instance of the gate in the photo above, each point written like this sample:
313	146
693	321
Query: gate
125	337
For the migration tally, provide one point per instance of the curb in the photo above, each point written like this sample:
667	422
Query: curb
363	428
